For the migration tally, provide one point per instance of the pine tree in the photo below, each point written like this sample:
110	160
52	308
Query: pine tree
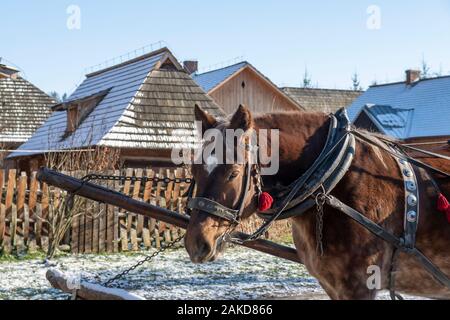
356	84
55	96
307	82
425	68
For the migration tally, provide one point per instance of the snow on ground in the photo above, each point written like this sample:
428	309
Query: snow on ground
239	274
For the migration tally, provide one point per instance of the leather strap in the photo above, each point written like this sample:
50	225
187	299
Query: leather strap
219	210
213	207
389	237
326	172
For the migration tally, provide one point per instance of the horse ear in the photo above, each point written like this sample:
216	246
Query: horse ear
207	120
242	119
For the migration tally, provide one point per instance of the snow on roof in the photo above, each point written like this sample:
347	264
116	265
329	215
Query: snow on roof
322	100
143	106
23	108
424	107
211	79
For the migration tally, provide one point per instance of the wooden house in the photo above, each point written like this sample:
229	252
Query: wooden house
144	107
242	83
23	108
415	110
322	100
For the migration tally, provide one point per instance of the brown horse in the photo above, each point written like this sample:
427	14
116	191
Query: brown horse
373	185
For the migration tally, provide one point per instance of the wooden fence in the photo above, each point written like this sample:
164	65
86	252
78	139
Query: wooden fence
27	208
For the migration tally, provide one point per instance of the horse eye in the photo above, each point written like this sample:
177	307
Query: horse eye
233	175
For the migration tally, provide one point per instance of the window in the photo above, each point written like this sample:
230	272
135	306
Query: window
72	118
79	110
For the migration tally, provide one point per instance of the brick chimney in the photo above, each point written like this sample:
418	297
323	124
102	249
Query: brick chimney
412	76
8	72
191	66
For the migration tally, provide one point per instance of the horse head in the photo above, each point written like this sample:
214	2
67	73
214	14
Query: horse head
226	181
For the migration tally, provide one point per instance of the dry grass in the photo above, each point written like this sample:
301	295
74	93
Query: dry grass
280	231
65	207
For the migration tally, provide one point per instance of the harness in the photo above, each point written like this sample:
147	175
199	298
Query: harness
313	188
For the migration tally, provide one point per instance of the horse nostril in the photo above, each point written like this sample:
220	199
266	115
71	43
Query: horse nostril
203	248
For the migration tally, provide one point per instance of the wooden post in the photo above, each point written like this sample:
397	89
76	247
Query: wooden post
101	194
32	199
9	212
22	214
86	290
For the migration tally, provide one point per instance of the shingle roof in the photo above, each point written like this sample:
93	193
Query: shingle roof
142	108
427	100
322	100
211	79
23	109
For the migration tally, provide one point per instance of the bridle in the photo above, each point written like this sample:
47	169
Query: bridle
313	188
324	173
214	208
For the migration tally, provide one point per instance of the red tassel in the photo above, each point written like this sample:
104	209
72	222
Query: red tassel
444	206
442	203
265	201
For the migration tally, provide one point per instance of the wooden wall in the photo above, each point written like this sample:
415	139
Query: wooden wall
248	88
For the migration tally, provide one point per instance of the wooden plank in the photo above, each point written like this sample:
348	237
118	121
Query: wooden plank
95	226
9	208
116	224
102	228
20	199
86	290
32	199
161	202
38	225
13	227
136	195
54	222
75	234
146	238
109	216
132	219
88	228
2	208
169	196
45	209
123	218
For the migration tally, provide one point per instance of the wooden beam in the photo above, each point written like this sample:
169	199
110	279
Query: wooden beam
117	199
85	290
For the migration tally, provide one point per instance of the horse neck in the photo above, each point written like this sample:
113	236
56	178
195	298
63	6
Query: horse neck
302	137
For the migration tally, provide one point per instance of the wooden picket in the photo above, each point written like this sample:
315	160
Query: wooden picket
27	206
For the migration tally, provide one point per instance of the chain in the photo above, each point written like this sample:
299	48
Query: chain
95	176
146	259
320	202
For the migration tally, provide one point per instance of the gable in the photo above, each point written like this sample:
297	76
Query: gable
247	87
241	83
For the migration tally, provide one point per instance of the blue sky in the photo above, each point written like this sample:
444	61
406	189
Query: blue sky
280	37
